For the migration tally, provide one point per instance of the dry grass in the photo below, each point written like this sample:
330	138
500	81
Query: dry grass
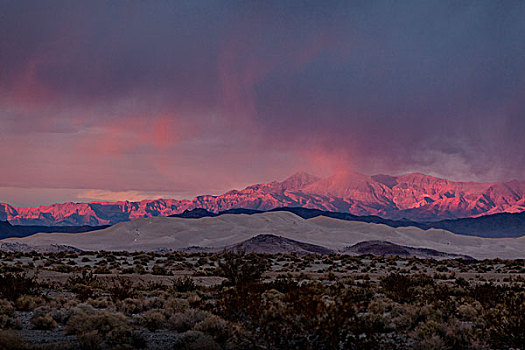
261	301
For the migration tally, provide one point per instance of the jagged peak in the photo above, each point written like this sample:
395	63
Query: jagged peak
419	176
348	176
299	180
301	175
340	182
392	180
387	180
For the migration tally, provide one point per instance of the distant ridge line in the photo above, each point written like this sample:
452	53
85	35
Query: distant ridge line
417	197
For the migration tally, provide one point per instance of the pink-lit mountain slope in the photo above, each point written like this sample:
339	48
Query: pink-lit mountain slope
413	196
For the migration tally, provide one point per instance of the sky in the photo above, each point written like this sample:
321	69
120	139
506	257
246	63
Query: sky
114	100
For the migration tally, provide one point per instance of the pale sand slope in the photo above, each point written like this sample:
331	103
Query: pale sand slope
172	233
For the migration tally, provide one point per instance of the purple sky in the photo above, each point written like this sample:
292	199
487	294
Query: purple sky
126	100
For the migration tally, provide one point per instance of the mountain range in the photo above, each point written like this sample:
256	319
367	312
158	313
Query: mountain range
415	197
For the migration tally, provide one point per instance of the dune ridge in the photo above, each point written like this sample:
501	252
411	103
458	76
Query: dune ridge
178	233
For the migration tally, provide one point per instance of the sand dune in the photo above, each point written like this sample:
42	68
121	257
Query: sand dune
176	233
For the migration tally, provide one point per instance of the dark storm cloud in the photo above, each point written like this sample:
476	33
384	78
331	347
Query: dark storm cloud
422	86
99	51
261	88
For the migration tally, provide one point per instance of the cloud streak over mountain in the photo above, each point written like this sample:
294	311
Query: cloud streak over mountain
199	97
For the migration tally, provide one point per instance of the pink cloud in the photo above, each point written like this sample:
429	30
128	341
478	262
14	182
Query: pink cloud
164	131
28	92
130	134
